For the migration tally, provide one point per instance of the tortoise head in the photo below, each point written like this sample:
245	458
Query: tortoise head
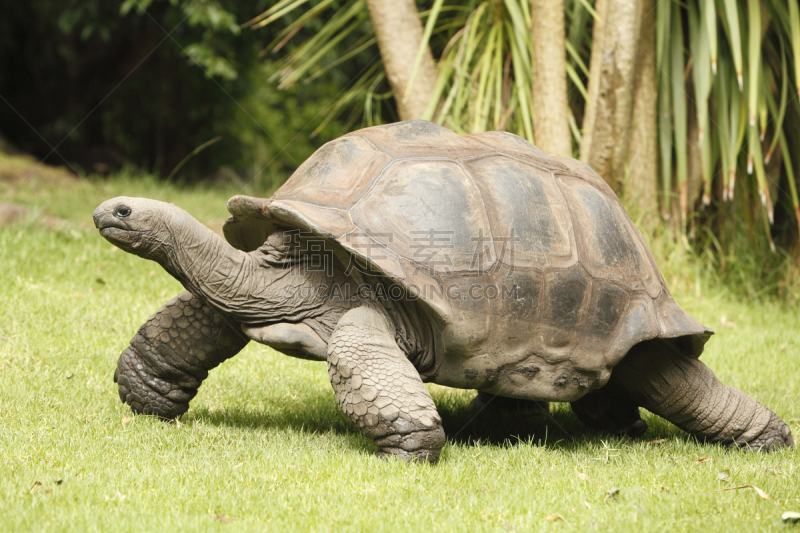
140	226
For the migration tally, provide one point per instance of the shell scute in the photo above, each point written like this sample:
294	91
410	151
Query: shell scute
509	143
609	246
520	295
610	304
419	138
336	175
428	212
566	293
531	225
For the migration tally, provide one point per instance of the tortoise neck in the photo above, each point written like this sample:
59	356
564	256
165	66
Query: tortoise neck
239	284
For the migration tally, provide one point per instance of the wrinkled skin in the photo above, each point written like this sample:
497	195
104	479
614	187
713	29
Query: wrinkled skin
369	347
658	376
171	354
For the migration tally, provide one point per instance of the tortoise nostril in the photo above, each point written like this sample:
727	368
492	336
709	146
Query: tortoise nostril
96	218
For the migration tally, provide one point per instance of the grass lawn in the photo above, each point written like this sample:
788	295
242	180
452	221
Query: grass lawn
265	447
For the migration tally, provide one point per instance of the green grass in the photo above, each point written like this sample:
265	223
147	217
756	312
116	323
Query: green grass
265	447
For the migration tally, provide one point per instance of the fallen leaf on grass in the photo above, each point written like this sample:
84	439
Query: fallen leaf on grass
657	441
702	460
587	504
582	476
761	493
222	517
553	518
127	419
612	495
240	464
35	484
775	472
790	516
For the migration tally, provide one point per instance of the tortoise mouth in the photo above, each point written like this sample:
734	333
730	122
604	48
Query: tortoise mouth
111	232
128	239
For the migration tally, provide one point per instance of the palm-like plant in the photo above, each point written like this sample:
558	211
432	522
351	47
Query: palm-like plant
727	118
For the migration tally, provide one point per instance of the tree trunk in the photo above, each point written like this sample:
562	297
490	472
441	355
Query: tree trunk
550	111
607	122
399	32
642	183
694	178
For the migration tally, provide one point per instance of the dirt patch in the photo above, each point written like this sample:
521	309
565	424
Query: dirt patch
12	213
16	169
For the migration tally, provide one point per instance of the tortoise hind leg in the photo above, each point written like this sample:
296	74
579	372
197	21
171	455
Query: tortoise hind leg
610	410
380	390
171	354
670	383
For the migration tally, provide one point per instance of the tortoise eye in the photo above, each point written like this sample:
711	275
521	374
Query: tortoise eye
122	211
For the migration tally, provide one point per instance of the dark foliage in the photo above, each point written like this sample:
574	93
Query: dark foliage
100	87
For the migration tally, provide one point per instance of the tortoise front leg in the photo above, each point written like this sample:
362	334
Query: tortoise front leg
380	390
670	383
171	354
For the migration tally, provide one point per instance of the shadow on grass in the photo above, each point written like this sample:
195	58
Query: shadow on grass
463	424
312	414
557	428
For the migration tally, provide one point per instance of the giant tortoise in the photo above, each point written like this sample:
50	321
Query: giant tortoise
405	254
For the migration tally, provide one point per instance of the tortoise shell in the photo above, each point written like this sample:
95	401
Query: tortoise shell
527	252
